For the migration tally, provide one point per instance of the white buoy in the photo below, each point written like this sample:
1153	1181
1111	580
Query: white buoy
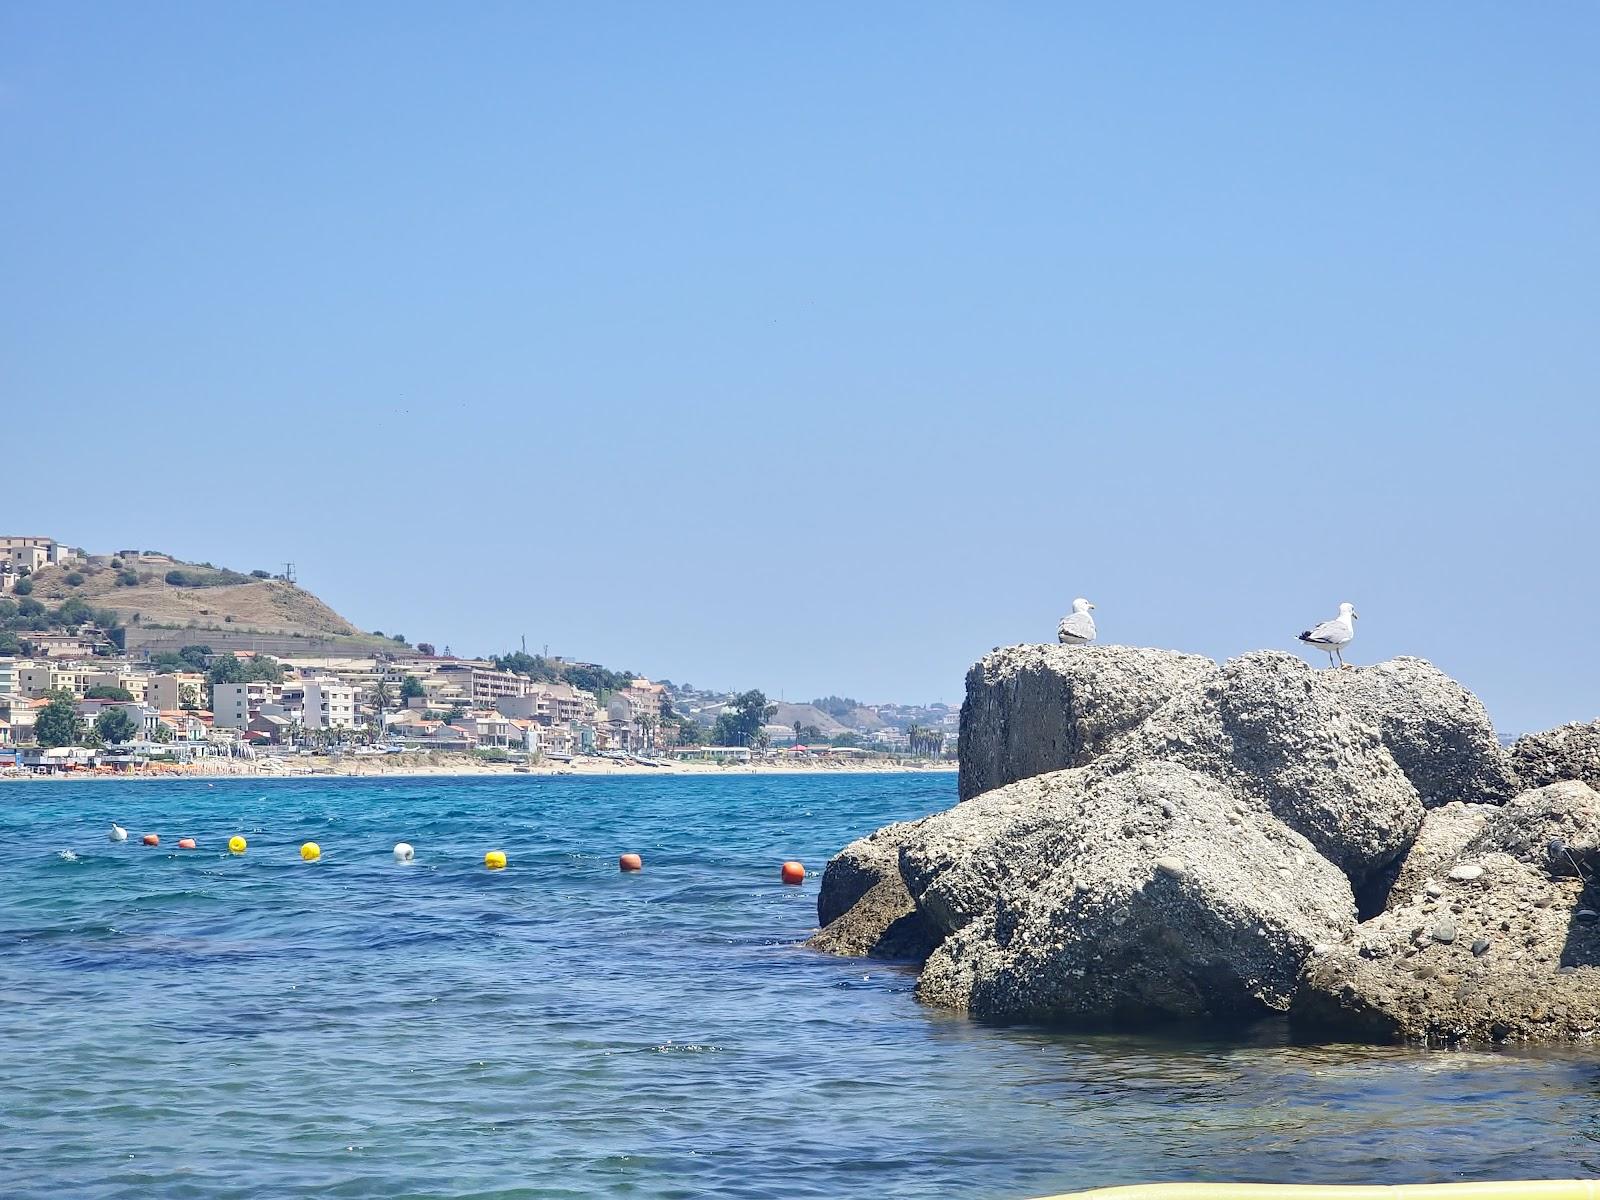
403	852
117	833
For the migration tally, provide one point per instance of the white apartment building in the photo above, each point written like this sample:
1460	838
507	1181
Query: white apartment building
329	704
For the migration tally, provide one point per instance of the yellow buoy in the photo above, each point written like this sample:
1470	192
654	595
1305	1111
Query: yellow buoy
311	852
495	860
237	845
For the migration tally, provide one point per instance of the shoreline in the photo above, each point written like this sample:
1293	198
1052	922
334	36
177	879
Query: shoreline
461	768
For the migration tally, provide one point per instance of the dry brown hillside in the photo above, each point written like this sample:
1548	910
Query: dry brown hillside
252	606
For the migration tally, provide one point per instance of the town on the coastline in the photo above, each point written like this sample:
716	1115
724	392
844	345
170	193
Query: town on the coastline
89	682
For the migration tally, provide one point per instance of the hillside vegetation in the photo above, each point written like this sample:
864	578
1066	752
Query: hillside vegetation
198	597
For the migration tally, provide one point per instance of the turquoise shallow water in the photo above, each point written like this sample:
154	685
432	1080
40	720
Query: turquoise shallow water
186	1024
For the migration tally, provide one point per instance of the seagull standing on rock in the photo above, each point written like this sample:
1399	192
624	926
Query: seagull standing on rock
1077	627
1333	636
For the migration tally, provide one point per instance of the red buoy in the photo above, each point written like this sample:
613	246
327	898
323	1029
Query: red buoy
794	873
630	862
150	839
185	843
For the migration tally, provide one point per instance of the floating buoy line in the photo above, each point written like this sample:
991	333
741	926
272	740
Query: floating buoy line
792	873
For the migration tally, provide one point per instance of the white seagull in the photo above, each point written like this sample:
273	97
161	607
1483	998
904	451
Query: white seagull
1333	636
117	833
1077	627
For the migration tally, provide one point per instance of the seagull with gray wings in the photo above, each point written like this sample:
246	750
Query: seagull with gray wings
1077	627
1333	636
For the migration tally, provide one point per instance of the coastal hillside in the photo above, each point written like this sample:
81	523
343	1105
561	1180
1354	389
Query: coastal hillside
156	595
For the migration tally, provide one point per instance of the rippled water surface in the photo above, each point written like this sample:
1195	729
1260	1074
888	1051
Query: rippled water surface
188	1024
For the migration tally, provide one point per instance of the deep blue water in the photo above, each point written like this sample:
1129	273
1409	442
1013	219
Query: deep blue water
188	1024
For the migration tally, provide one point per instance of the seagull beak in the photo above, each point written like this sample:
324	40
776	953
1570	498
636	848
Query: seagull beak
1091	608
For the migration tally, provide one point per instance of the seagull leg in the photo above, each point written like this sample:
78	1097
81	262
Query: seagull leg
1339	650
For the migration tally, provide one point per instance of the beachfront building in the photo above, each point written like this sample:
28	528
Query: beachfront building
35	679
230	705
234	704
482	685
329	704
717	754
168	692
489	729
136	686
562	704
646	697
144	717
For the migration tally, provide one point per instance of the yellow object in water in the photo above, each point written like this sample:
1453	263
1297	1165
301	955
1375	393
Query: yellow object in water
311	852
236	844
1532	1189
495	860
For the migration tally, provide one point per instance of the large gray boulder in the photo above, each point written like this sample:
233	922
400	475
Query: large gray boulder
1150	837
1092	898
1566	752
863	905
1500	943
1278	731
1438	732
1555	827
1032	709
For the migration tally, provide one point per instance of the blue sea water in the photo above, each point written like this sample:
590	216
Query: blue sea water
187	1024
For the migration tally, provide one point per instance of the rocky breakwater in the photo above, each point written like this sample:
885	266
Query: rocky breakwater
1148	837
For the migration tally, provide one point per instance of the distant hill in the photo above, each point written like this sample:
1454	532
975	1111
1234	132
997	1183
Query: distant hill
208	600
788	714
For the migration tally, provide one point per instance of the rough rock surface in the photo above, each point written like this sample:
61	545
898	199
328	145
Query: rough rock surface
1276	730
1149	837
1445	833
863	904
1566	752
1438	732
1555	827
1131	897
1493	946
1032	709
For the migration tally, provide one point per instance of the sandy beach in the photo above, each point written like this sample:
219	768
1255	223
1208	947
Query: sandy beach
435	764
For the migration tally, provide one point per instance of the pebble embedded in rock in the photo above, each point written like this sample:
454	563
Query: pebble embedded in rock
1480	947
1466	871
1171	866
1435	890
1444	931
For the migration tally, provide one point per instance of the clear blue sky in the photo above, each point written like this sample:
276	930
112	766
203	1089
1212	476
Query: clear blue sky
822	347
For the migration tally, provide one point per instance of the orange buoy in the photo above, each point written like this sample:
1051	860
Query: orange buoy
630	862
150	839
185	843
794	873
